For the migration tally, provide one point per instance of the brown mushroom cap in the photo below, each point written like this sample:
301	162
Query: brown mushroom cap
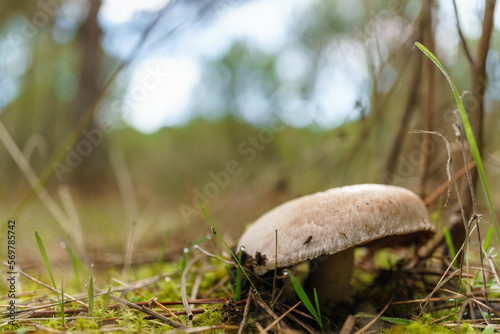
333	221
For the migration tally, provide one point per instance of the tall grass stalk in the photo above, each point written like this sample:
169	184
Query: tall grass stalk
46	262
107	299
91	291
62	302
449	241
183	261
33	180
468	133
237	294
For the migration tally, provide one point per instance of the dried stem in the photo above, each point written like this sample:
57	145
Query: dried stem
183	289
148	311
245	312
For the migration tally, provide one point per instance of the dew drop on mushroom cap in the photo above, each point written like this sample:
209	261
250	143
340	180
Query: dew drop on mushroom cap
333	223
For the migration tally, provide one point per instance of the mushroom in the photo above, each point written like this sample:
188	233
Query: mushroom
333	223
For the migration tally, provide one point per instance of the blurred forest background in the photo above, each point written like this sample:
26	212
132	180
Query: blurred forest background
129	112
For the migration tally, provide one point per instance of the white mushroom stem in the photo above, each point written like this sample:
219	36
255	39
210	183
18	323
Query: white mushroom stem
331	276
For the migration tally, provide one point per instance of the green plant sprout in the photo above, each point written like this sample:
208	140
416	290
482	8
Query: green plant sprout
46	262
306	301
91	291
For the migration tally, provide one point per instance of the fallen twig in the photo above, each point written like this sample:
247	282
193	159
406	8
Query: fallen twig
213	255
153	301
149	312
281	317
183	289
444	186
202	329
245	312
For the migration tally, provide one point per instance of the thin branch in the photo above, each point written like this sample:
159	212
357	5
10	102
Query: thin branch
183	289
271	325
245	312
348	325
444	186
204	329
368	325
149	312
462	38
300	322
213	255
154	301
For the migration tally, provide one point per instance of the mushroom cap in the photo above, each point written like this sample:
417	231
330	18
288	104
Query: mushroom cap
335	220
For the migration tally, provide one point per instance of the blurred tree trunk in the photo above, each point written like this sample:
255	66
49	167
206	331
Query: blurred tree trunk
429	102
89	77
88	38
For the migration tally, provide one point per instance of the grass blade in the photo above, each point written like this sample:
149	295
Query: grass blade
397	321
45	259
317	307
91	291
183	261
305	299
200	240
237	294
107	298
468	133
61	304
46	262
487	240
488	330
449	242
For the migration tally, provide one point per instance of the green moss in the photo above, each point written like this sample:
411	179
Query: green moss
18	328
211	316
385	259
169	290
82	324
418	327
466	328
